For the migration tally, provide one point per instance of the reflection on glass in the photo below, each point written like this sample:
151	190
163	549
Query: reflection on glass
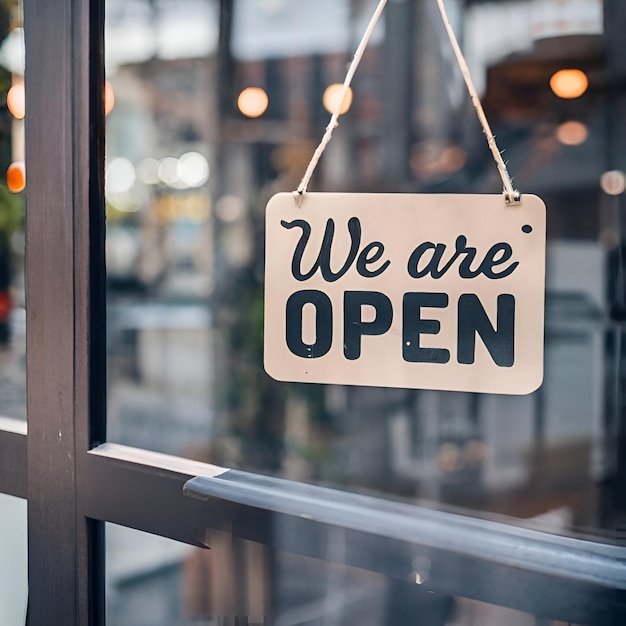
189	173
151	580
13	561
12	184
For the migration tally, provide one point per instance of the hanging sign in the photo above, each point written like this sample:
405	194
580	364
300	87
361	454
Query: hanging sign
398	290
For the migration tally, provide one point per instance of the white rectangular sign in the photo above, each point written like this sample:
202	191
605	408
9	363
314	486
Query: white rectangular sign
398	290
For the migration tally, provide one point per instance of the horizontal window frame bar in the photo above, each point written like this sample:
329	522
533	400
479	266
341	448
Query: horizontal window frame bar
556	577
564	578
570	557
13	477
143	490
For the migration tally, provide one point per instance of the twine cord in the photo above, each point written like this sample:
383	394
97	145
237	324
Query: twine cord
511	195
302	187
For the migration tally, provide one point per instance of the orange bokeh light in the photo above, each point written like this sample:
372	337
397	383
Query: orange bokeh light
252	102
109	97
332	95
16	177
16	101
572	133
569	83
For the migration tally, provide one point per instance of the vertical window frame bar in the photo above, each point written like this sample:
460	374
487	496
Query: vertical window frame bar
65	304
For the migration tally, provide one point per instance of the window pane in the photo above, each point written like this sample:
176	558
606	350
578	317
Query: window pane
13	561
199	137
160	68
12	182
155	581
143	578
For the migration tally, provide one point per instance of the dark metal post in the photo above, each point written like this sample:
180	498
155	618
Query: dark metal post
64	149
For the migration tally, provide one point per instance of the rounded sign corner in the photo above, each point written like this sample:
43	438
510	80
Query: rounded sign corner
276	198
534	384
534	198
269	370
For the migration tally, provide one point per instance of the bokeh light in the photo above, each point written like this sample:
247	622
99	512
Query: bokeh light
148	171
613	182
569	83
332	95
109	97
16	177
16	101
572	133
193	169
253	102
168	171
230	208
120	176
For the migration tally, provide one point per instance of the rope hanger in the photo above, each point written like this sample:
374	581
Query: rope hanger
511	196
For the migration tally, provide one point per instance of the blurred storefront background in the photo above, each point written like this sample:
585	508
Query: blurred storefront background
214	112
219	105
212	107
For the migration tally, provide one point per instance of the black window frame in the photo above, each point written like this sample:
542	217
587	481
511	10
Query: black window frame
74	481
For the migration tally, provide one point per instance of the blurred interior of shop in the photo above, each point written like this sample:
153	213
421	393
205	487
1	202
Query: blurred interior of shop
214	106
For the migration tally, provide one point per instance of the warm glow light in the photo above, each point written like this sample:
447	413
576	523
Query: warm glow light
109	97
572	133
569	83
16	177
613	182
252	102
16	101
332	95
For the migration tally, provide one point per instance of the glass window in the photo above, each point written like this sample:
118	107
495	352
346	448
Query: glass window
144	578
12	183
13	561
159	582
212	106
211	113
160	94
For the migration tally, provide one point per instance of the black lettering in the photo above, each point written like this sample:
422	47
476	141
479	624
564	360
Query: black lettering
413	326
473	319
323	323
431	266
353	325
323	258
498	254
363	261
465	271
491	260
